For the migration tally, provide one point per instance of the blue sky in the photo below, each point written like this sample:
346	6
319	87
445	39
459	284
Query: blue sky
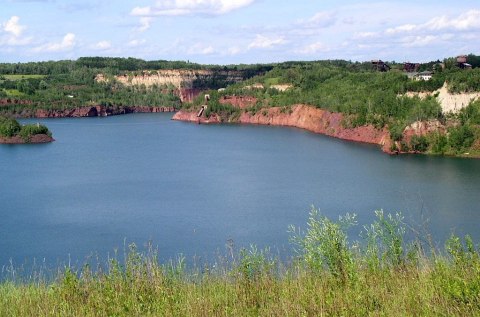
238	31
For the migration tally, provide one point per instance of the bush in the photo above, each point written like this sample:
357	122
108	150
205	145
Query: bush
460	138
385	240
419	143
9	127
325	244
32	129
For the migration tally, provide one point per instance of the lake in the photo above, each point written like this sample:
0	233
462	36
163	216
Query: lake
192	189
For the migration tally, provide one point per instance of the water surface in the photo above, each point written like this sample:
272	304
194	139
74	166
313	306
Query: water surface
191	188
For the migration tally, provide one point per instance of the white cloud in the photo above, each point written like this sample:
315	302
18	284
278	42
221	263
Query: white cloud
67	43
468	21
322	19
262	41
12	26
102	45
234	50
190	7
401	29
200	49
135	43
312	49
433	37
145	24
365	35
13	33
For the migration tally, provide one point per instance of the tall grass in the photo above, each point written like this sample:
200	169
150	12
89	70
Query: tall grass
381	275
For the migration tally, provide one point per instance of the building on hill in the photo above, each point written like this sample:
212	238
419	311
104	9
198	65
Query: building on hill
380	66
423	76
462	62
461	59
411	67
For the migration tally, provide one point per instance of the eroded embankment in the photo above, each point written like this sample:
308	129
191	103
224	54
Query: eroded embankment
37	138
304	117
95	111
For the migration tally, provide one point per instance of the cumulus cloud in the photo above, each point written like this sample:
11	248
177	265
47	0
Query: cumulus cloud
468	21
262	41
12	26
235	50
200	49
313	48
190	7
145	24
67	43
13	33
102	46
135	43
321	19
435	34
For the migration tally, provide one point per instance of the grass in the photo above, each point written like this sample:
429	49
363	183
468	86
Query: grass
384	279
14	93
20	77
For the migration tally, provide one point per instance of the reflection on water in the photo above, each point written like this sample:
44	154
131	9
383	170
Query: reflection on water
190	188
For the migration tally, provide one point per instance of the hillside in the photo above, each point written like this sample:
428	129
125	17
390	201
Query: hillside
438	116
114	83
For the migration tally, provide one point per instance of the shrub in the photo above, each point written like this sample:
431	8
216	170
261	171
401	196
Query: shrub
460	138
419	143
9	127
32	129
325	245
385	240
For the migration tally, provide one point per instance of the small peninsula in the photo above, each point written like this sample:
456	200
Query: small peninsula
11	132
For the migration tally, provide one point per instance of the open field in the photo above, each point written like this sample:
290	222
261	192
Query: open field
20	77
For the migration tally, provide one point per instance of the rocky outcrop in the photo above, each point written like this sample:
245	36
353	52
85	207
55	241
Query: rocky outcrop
450	103
187	83
192	117
34	139
98	111
422	128
304	117
241	102
10	101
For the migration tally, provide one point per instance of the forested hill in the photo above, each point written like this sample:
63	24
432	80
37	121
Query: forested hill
60	85
382	94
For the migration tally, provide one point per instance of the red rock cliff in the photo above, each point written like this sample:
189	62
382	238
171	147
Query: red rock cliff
304	117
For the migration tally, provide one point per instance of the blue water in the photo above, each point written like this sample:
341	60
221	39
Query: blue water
107	182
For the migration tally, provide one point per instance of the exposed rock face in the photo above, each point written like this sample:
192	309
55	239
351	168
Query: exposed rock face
183	80
241	102
98	111
305	117
422	128
192	117
451	103
281	87
37	138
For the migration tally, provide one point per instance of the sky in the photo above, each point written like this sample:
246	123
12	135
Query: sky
239	31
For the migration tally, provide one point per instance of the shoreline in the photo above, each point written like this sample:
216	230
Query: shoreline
34	139
304	117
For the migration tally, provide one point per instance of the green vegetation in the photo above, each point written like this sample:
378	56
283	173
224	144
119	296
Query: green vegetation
368	97
365	96
10	128
71	84
461	137
330	275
